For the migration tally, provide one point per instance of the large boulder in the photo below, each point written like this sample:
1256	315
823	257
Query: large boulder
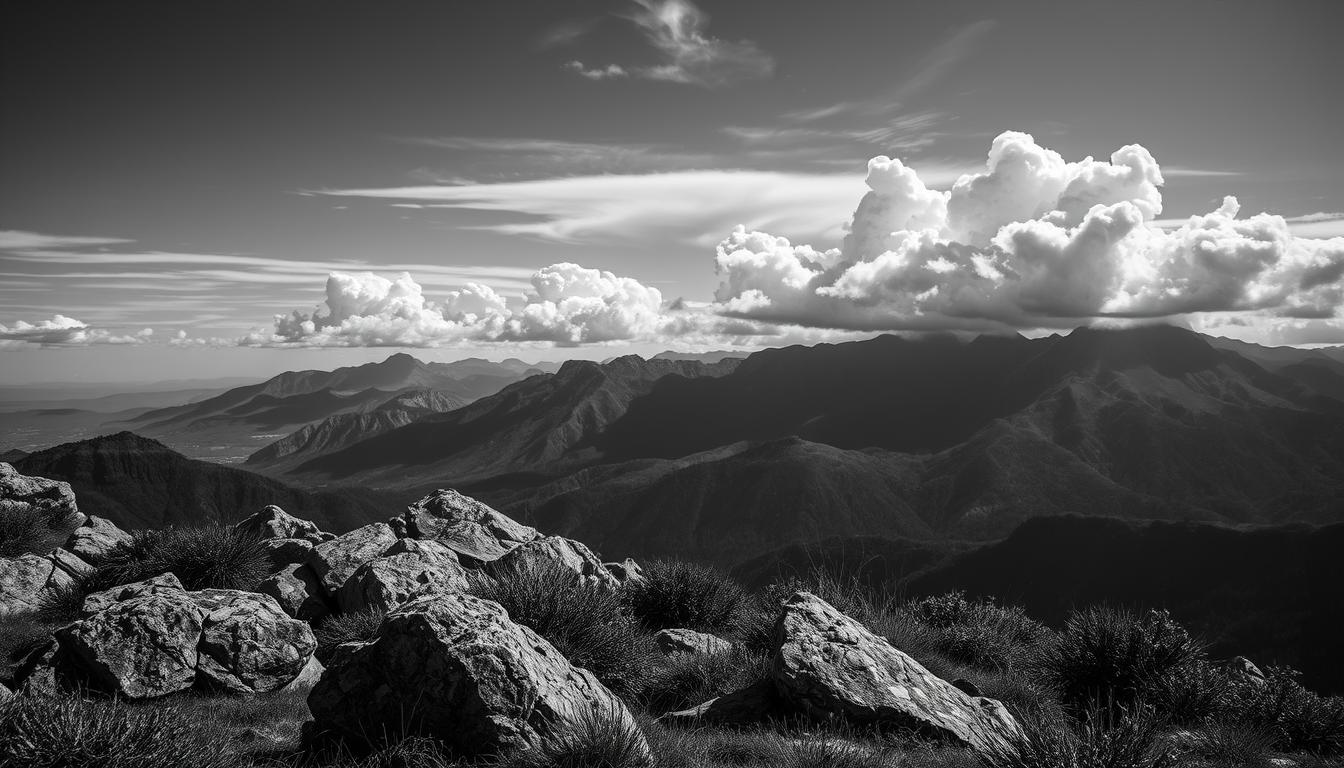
297	591
139	648
153	638
337	560
249	645
273	522
27	579
410	567
96	539
454	667
688	641
473	530
51	501
829	665
553	554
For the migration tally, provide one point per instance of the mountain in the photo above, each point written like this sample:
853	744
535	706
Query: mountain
1275	595
232	425
141	483
336	432
702	357
539	425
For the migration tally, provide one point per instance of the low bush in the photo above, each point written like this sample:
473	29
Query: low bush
24	531
684	680
1226	746
49	732
676	594
1115	657
1108	737
1295	718
597	740
345	628
980	633
589	626
204	557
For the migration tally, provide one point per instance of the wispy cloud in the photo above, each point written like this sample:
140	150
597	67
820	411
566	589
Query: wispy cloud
14	239
63	331
677	31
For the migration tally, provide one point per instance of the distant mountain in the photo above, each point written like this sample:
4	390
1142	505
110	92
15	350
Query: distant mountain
1275	595
141	483
539	425
232	425
336	432
702	357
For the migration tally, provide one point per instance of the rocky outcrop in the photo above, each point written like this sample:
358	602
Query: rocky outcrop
335	561
626	571
27	579
297	591
829	665
51	501
272	522
455	667
410	567
674	641
249	645
476	532
282	553
153	638
96	539
557	555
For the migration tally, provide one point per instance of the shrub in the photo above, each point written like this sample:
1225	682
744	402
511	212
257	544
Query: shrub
205	557
588	625
1113	656
1108	737
980	632
1227	746
687	679
26	530
677	594
47	732
598	740
355	627
1295	718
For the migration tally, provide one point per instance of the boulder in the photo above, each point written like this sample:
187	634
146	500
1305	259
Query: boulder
140	648
674	641
25	580
283	553
455	668
297	591
553	552
626	571
472	529
829	665
273	522
164	583
335	561
71	563
249	645
410	567
96	539
52	501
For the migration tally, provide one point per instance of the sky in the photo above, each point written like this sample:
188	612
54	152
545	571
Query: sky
204	190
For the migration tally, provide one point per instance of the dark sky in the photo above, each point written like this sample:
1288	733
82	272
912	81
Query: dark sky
233	153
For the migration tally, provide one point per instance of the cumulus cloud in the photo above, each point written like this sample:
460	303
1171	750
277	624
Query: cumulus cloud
63	331
567	304
677	30
1032	241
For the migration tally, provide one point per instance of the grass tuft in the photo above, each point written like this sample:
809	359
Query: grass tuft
679	595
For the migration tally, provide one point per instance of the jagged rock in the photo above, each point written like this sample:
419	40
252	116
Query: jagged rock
35	673
273	522
96	539
333	562
410	567
51	500
71	563
470	528
140	648
671	641
249	645
286	552
298	592
164	583
1246	670
25	579
307	677
553	551
626	572
830	665
455	668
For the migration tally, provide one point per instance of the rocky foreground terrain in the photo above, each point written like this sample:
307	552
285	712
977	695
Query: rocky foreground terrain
451	634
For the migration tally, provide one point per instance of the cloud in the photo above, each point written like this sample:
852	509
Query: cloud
676	30
1031	241
14	239
567	304
63	331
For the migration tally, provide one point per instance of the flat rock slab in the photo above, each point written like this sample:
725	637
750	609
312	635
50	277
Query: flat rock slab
96	539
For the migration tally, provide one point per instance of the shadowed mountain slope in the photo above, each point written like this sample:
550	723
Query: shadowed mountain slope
141	483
